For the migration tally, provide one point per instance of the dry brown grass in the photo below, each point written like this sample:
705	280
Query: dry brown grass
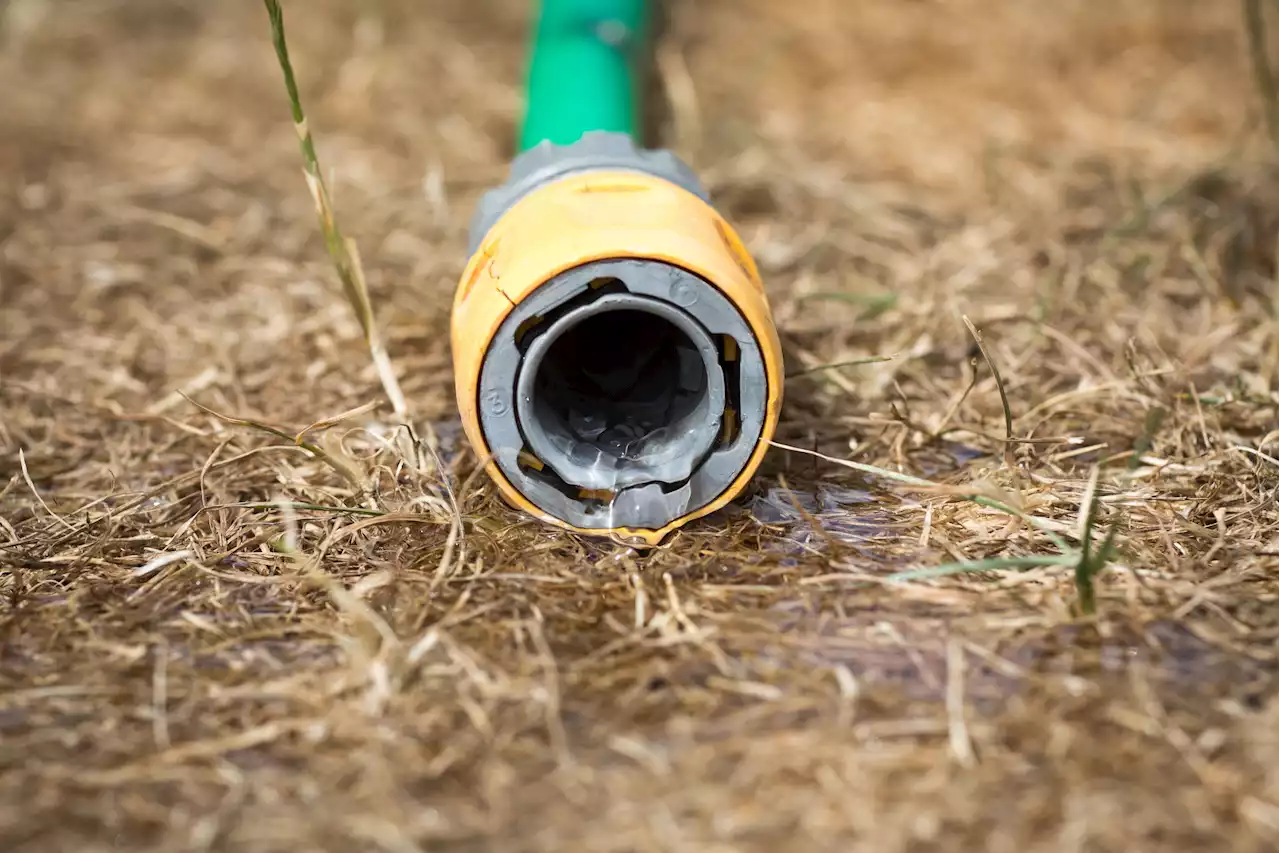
213	640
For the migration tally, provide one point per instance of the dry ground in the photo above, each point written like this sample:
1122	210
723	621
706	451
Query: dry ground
1090	182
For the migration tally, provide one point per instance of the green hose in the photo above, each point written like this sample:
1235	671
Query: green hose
582	70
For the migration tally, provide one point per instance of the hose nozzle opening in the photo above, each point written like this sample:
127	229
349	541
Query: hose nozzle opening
620	392
606	393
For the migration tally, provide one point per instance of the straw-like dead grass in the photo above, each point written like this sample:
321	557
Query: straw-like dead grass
217	638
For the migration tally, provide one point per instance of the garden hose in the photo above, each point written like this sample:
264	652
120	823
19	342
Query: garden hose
616	362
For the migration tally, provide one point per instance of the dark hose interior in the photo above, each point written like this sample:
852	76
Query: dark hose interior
622	394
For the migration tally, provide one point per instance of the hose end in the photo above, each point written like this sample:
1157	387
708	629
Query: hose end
615	358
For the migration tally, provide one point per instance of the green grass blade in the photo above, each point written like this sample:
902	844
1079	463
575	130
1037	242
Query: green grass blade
994	564
342	251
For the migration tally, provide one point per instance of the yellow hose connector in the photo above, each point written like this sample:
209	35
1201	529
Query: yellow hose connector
615	359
